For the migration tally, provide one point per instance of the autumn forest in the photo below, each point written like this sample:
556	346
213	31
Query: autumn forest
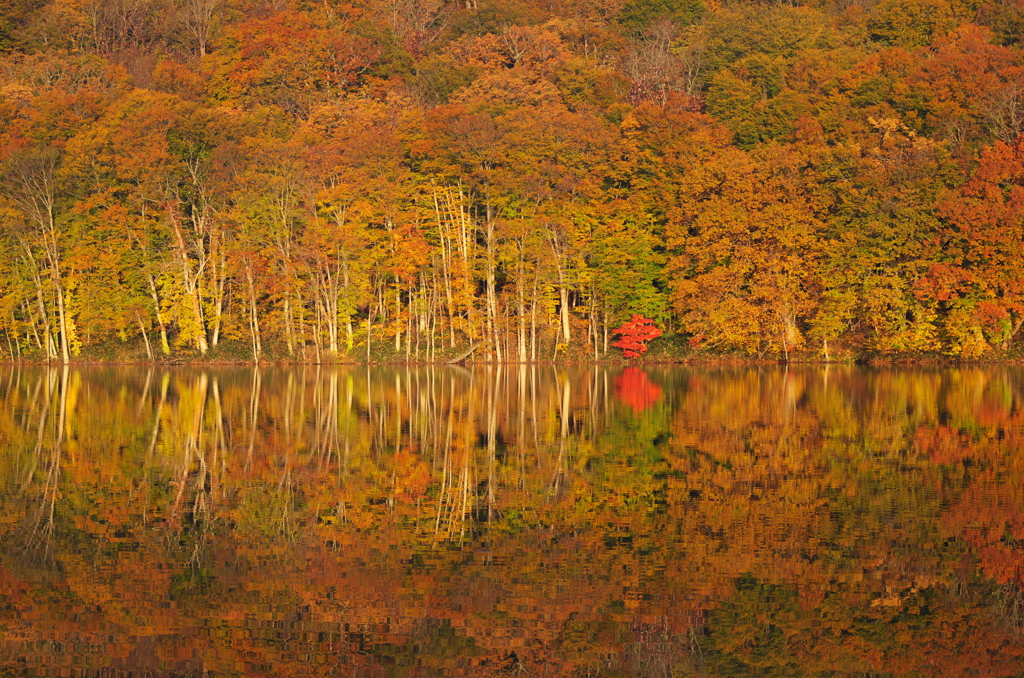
411	180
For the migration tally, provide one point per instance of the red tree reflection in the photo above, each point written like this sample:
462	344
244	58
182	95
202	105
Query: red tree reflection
633	388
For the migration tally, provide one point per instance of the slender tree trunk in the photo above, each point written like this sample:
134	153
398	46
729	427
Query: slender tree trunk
145	337
300	325
521	303
533	322
446	265
492	301
191	279
369	327
408	327
346	281
254	317
398	318
327	288
317	329
31	325
62	316
165	345
220	293
288	333
563	296
46	342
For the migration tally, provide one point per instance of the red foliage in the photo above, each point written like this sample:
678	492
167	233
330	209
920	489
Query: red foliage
634	335
634	389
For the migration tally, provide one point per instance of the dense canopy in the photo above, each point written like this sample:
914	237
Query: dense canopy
407	179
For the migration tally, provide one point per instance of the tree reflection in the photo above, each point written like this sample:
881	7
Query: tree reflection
452	521
636	390
40	487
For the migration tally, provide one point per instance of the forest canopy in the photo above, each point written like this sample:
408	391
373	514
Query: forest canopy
295	180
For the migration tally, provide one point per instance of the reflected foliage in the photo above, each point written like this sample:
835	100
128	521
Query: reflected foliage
512	521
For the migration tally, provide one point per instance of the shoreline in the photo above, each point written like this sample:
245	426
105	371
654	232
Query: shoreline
717	361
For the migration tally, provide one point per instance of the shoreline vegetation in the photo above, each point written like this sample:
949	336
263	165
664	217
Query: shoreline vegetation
397	181
670	351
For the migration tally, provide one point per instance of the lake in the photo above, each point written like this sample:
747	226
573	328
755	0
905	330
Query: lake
512	521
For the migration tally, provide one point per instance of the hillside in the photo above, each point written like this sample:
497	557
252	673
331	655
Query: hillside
284	180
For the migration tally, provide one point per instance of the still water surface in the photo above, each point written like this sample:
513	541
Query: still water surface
516	521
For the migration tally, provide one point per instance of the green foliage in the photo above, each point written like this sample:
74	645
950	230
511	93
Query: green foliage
393	59
1005	19
777	31
628	271
584	84
439	77
639	15
492	16
754	623
914	23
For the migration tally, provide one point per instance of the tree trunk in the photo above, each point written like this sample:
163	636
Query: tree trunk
145	337
165	345
563	295
191	279
254	318
220	292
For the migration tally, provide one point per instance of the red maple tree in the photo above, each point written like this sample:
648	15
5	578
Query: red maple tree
634	335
